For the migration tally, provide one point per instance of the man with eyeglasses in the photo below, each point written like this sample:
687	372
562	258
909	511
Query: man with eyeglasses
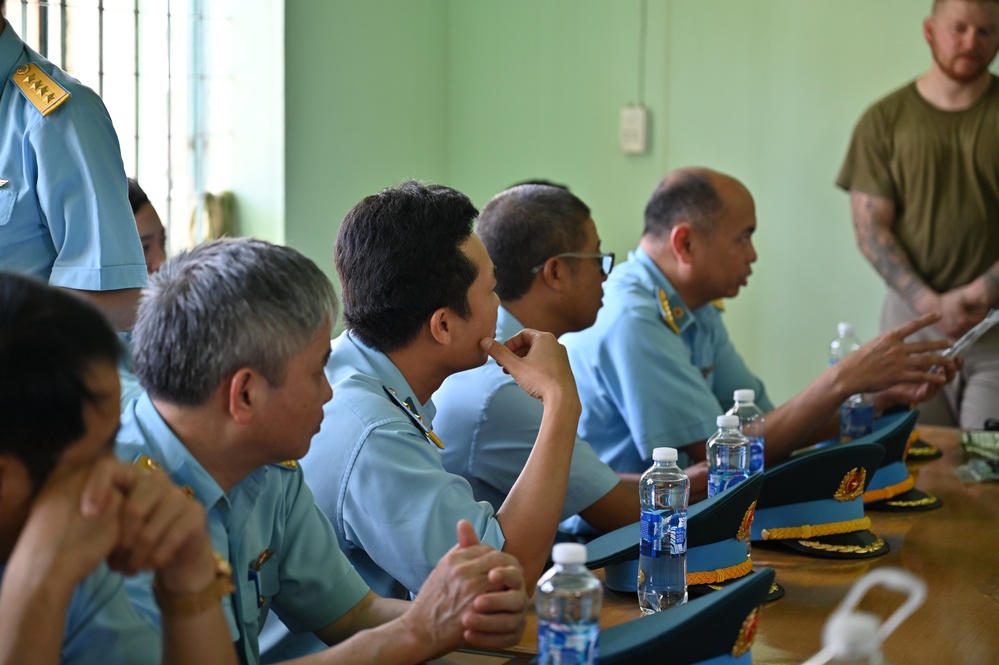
658	366
549	276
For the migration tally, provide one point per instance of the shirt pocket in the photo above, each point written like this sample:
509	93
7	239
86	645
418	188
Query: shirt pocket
265	584
7	197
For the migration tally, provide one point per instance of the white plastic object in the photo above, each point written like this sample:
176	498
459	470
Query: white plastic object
569	553
728	422
664	455
854	635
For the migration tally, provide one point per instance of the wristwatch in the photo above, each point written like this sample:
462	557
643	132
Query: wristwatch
195	602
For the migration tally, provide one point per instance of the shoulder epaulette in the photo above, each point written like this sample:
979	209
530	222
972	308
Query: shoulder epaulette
719	304
39	88
667	312
288	464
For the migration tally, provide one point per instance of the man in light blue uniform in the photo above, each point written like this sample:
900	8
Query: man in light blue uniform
68	507
549	275
64	212
230	343
658	366
419	306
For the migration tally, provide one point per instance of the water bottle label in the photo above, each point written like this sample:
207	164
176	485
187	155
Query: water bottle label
855	421
567	643
755	454
663	538
719	481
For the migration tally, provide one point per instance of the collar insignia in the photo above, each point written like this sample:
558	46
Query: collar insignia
415	417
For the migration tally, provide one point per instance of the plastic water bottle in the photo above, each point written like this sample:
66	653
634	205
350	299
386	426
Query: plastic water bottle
728	456
846	341
664	491
751	424
568	603
856	415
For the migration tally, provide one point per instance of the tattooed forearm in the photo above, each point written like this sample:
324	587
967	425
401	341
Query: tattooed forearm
872	220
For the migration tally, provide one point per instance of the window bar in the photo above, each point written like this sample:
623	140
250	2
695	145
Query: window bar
43	29
169	116
196	117
100	48
63	31
135	67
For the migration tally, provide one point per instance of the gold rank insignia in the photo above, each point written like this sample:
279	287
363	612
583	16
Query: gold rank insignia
719	305
415	417
42	91
147	463
747	633
289	464
667	312
747	522
852	485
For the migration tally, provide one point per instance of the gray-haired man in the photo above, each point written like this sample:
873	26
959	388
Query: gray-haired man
230	343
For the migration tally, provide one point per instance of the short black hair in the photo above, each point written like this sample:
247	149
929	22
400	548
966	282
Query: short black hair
399	260
526	225
690	197
49	341
136	197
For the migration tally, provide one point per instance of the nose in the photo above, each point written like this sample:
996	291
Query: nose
327	389
752	252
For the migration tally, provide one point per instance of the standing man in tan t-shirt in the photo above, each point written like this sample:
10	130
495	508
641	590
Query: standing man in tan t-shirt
923	175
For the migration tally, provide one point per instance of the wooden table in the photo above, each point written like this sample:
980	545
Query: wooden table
955	549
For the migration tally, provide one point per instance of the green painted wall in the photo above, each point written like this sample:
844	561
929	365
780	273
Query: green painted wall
365	103
482	94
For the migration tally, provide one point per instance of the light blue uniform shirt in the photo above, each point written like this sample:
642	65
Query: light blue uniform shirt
103	627
130	386
380	480
642	385
489	425
64	211
283	551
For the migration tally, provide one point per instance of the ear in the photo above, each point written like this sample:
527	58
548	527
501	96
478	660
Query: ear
680	241
440	325
553	274
244	394
928	30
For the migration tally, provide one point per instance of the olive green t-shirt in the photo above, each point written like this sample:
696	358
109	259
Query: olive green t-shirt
941	168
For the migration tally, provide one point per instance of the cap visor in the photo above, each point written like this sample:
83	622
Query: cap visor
912	501
920	451
855	545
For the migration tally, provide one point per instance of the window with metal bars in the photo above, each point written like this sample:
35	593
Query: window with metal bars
162	68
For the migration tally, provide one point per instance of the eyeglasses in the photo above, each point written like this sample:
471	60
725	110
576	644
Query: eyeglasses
606	260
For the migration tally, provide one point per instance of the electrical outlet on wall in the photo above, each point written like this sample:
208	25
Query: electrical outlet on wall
634	129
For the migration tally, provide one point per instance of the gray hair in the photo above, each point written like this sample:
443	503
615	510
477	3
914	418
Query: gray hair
227	304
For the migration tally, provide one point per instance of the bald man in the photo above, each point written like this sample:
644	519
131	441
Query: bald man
658	366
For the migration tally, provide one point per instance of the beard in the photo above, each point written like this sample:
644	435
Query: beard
958	70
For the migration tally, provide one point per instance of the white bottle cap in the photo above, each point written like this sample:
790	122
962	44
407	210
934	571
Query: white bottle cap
728	422
667	454
845	329
569	553
744	395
